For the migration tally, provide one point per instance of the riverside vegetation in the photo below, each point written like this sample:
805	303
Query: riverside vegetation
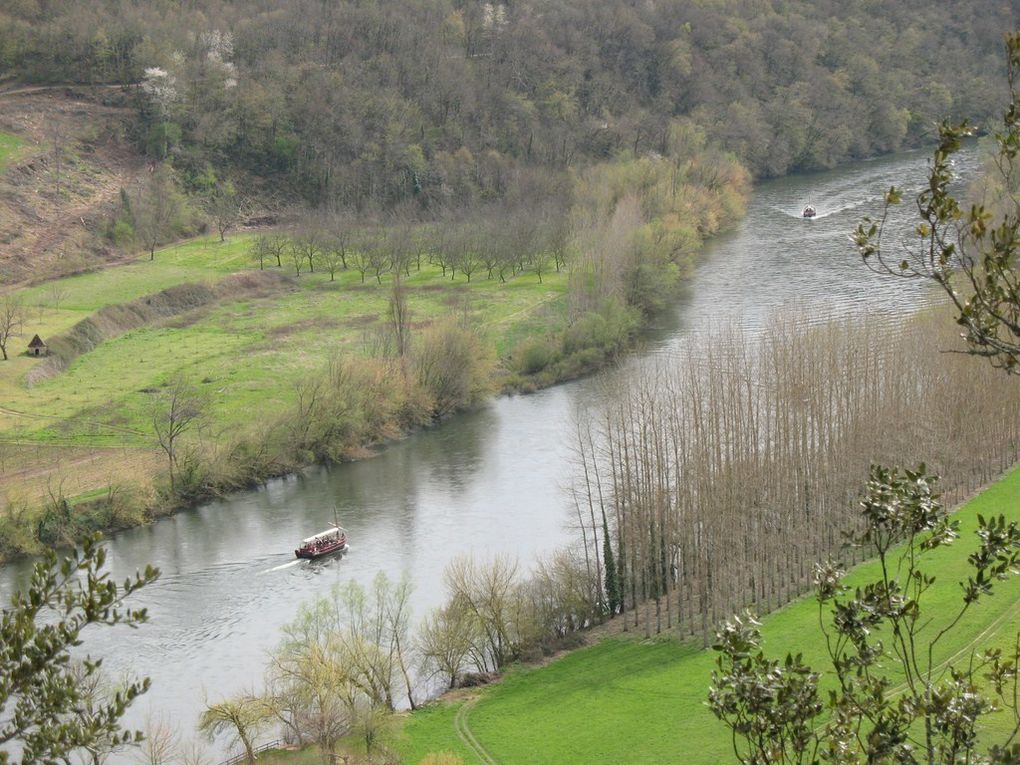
343	334
653	562
516	138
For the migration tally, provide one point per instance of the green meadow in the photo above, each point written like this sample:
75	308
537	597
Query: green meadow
634	701
10	148
249	353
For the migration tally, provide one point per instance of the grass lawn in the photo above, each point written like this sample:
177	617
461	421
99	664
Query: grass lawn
10	146
633	701
249	352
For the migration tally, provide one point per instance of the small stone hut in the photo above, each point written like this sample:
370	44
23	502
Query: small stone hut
37	347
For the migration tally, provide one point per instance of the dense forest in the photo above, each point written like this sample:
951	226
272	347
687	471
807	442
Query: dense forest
442	103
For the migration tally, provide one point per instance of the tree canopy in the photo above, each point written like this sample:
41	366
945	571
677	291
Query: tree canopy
443	102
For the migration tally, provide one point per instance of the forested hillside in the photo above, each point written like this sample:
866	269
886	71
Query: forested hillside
374	104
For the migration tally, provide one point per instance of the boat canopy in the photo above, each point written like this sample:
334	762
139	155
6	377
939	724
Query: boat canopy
323	535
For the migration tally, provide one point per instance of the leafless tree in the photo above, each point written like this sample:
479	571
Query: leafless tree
224	207
12	318
333	259
399	314
161	740
175	410
58	294
726	472
309	245
444	643
278	245
157	209
259	250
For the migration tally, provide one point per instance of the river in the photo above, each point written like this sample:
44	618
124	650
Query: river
489	481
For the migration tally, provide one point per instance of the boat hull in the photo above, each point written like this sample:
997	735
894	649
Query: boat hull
312	554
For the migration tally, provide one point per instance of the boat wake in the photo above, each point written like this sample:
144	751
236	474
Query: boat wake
288	564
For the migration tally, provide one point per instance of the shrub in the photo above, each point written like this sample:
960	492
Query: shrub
533	355
451	366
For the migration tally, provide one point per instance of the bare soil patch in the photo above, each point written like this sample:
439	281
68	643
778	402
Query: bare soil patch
53	200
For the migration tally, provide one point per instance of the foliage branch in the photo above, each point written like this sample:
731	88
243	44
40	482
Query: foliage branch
895	699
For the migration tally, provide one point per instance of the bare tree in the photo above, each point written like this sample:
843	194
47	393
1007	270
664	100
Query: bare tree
12	318
400	315
58	294
487	592
161	740
96	694
259	250
444	643
309	245
174	411
157	209
224	207
277	245
297	256
333	259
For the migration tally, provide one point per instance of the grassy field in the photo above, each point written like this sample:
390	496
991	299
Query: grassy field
10	146
633	701
248	353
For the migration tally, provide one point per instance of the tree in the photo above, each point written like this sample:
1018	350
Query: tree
399	314
308	245
224	207
175	409
12	317
444	643
47	707
972	255
96	693
242	717
259	250
333	259
895	698
278	247
157	209
162	741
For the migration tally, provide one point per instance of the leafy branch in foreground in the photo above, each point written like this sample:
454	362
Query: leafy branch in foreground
45	707
892	696
970	254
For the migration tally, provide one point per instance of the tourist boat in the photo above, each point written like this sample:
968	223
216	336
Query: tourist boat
809	212
323	543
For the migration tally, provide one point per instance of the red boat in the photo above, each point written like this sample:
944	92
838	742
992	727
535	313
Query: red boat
323	543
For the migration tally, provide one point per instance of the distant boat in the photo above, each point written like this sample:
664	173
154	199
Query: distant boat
323	543
809	212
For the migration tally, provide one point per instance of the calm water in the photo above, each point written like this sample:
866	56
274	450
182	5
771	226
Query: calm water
485	482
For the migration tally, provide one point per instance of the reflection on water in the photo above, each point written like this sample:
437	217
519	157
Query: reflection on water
486	482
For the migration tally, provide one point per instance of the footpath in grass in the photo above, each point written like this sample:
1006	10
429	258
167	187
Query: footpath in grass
634	701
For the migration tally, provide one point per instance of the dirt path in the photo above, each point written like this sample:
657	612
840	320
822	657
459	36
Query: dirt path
460	724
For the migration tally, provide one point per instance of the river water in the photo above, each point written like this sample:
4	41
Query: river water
486	482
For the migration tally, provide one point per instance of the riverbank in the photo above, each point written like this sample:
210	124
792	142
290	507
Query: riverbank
312	352
625	698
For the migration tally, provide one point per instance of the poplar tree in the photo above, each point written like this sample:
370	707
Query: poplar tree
612	581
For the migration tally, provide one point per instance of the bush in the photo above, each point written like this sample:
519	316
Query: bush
533	355
606	330
452	368
121	233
